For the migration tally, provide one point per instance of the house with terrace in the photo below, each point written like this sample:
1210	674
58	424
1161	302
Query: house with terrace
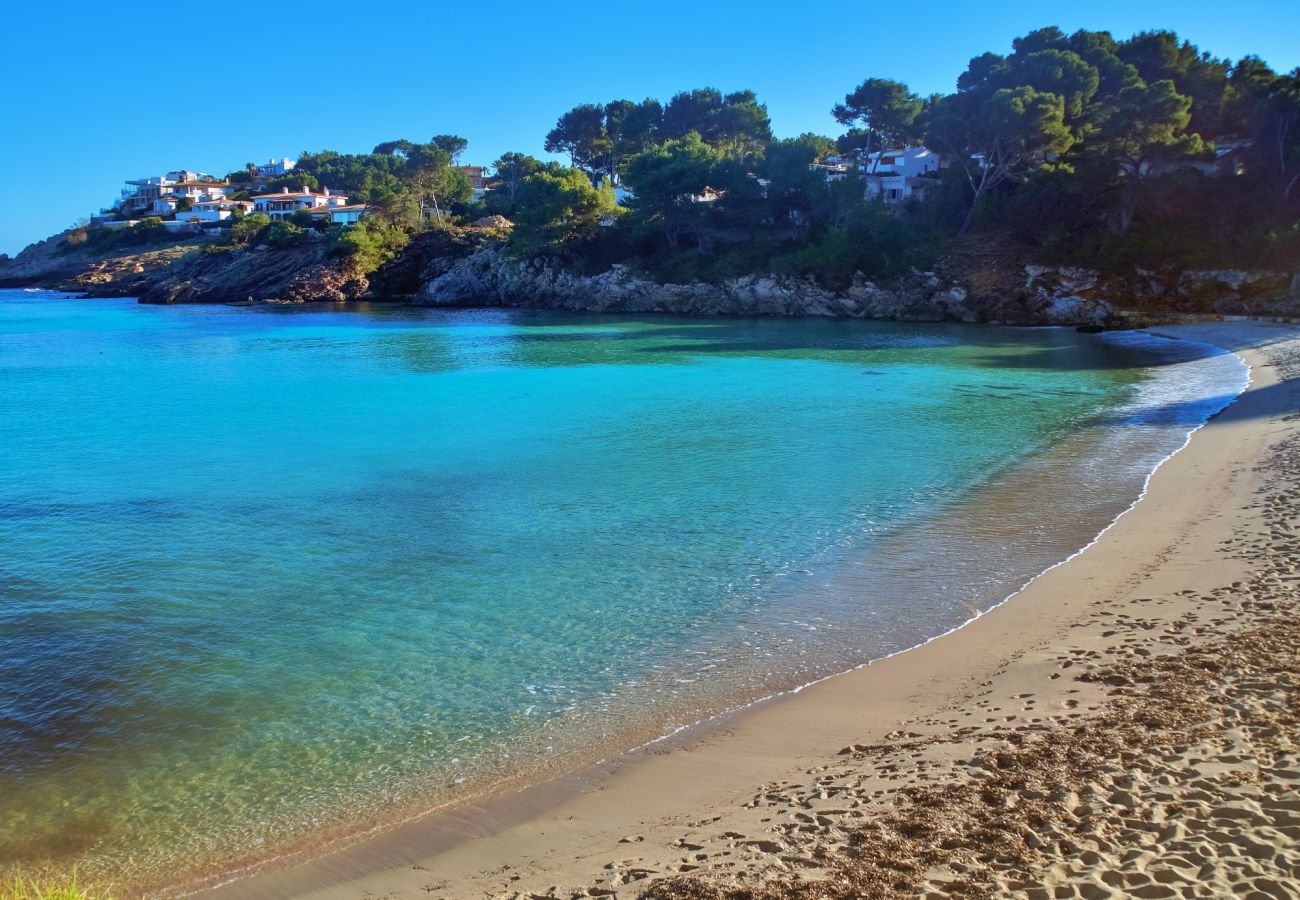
183	195
273	168
284	204
159	195
217	209
899	175
196	190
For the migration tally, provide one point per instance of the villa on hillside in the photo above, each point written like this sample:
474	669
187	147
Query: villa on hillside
273	168
194	191
214	210
890	175
898	175
284	204
142	195
478	178
190	200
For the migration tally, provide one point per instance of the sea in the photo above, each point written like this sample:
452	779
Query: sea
270	575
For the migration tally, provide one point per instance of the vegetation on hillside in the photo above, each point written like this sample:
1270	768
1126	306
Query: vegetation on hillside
1077	148
1084	148
403	181
149	231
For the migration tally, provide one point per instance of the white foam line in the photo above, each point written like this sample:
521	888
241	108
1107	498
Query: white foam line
360	836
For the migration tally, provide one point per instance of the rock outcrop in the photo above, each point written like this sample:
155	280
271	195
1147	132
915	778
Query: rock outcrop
488	277
188	271
1209	291
298	275
428	252
469	267
56	263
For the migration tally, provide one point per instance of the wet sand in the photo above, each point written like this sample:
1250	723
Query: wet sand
1125	726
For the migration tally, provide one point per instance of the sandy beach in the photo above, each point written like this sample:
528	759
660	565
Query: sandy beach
1125	726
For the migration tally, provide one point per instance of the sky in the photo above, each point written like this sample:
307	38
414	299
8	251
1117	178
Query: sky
94	93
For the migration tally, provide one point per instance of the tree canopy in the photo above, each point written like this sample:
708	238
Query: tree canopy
883	112
1079	144
559	207
1119	131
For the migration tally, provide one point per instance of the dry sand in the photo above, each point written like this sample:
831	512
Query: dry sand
1126	726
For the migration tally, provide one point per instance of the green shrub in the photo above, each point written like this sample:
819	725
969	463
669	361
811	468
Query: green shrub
248	229
283	236
368	243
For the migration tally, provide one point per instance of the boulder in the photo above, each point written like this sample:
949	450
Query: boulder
1072	309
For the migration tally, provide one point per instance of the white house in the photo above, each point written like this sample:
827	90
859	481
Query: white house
273	168
163	206
285	204
174	192
193	190
141	194
896	175
909	161
215	210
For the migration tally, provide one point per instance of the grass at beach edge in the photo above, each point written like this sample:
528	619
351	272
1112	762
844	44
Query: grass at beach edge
20	886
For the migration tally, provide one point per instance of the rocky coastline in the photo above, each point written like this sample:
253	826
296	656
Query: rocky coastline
471	268
489	277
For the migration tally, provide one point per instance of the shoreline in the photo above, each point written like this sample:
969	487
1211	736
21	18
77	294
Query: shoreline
447	851
1126	319
1004	499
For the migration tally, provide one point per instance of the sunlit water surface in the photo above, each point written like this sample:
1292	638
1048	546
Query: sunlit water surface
266	573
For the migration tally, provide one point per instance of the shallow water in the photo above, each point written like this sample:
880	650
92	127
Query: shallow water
266	572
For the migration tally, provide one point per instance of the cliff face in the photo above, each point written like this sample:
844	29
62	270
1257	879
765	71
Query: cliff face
56	264
427	255
299	275
187	272
490	277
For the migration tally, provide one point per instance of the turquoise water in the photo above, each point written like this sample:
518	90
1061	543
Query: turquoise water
266	573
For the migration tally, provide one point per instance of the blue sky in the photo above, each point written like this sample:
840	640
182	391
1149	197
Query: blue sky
94	93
